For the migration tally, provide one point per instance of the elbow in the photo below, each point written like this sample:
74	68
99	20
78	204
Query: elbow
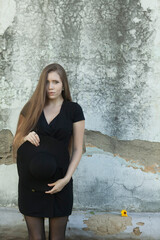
78	150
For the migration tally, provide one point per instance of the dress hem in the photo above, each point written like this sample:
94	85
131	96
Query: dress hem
35	215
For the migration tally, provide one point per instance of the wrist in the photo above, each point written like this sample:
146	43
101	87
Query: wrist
67	179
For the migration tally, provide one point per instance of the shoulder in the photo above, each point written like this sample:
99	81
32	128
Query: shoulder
73	105
75	110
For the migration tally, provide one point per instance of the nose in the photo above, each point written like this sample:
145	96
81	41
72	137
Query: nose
51	85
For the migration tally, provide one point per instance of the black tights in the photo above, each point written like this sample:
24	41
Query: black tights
36	228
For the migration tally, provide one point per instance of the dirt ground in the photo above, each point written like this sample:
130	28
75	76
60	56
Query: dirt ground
20	233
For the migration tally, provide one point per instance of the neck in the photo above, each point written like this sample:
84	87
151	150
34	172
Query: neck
55	102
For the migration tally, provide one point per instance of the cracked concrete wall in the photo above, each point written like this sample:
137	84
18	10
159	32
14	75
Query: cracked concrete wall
110	50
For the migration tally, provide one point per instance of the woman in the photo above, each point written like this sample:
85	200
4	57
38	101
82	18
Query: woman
48	147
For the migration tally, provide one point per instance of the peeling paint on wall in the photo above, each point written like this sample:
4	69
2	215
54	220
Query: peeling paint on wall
140	154
6	139
110	185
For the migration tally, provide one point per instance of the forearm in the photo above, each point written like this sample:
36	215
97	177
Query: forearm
75	159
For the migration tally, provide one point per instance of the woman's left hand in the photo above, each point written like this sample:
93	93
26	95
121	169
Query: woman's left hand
58	186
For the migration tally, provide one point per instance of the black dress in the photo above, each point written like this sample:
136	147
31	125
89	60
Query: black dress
38	166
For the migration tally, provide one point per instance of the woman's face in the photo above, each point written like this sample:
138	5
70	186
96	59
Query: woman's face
53	85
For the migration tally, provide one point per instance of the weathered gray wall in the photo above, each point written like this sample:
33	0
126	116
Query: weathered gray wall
110	50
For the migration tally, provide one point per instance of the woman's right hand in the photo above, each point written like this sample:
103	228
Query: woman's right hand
33	138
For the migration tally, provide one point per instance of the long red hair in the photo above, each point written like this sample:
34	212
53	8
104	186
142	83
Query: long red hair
33	108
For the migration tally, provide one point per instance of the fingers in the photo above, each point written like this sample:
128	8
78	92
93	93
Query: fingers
51	184
58	186
34	138
53	190
34	141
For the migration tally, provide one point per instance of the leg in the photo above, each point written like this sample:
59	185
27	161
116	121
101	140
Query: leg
57	228
35	225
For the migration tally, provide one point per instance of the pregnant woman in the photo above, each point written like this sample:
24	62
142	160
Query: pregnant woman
48	146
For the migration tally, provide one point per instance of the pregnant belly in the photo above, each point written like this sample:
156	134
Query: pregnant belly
43	165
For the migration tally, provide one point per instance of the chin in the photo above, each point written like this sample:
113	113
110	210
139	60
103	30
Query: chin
51	97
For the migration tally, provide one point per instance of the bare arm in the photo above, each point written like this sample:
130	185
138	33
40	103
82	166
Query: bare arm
78	134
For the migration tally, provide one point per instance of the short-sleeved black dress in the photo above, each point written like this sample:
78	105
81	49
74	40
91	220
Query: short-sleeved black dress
39	165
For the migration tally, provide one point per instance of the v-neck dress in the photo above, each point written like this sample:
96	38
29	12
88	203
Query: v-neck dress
39	165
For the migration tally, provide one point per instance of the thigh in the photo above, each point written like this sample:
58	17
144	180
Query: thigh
57	228
35	226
